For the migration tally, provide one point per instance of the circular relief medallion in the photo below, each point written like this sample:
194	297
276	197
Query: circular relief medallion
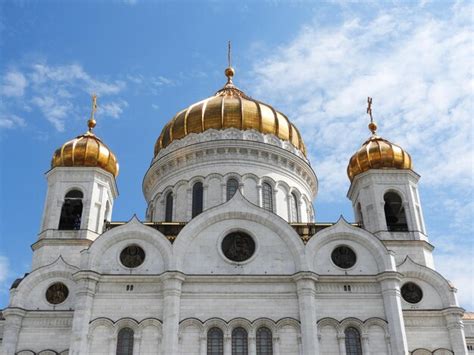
57	293
411	292
132	256
238	246
344	257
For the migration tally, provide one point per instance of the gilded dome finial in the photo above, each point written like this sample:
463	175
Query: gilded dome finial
91	123
229	71
372	124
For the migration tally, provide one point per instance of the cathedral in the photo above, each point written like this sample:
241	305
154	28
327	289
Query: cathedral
231	259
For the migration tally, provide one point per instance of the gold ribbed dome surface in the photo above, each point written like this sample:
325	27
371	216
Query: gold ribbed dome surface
377	153
86	150
229	108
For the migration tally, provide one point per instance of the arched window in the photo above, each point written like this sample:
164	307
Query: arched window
232	187
169	207
239	341
294	208
264	341
360	217
125	342
395	213
197	198
267	197
353	346
215	342
71	212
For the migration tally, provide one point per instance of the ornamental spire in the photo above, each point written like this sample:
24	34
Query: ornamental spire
92	122
229	71
372	124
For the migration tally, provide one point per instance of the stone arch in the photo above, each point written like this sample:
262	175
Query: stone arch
344	231
101	322
352	322
126	323
243	323
134	228
445	290
265	322
239	208
59	270
215	323
288	321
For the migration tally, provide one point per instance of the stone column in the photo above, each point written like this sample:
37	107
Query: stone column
203	344
457	338
86	282
306	289
112	345
172	283
137	341
276	345
365	344
13	319
390	285
341	339
227	344
252	345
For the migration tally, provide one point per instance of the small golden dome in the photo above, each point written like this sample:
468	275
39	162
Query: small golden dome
229	108
377	153
86	150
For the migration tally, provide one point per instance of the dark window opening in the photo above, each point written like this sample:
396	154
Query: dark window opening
71	212
264	341
239	341
169	207
215	342
353	345
232	187
125	342
395	213
295	213
197	199
267	197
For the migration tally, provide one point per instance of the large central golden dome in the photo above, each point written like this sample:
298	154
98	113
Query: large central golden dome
229	108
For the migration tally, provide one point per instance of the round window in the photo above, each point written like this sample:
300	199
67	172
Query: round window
238	246
344	257
57	293
132	256
411	292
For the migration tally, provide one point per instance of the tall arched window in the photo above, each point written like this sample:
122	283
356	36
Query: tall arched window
239	341
71	212
395	212
353	346
215	342
197	198
267	197
264	341
125	342
169	207
232	187
294	208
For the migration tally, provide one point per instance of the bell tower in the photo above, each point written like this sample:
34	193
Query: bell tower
384	195
80	196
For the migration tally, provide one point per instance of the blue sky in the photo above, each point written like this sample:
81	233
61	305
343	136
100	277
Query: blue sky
315	61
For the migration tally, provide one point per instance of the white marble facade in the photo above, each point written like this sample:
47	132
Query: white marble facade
290	287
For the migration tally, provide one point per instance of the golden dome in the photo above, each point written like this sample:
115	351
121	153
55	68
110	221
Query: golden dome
377	153
86	150
229	107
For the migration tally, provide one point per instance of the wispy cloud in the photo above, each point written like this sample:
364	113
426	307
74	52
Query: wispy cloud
417	67
13	84
54	91
11	121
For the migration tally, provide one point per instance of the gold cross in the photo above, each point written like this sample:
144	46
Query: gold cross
369	108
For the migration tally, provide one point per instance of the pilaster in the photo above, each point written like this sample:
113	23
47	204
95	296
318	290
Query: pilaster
172	282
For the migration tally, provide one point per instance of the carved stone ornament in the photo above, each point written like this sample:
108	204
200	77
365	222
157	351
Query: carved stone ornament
411	292
57	293
344	257
238	246
132	256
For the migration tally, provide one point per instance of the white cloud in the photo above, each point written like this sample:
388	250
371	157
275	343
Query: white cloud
417	68
14	84
53	109
4	269
113	109
11	121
